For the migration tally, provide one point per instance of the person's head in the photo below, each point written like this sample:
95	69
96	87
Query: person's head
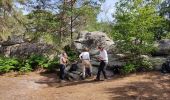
86	49
100	47
64	54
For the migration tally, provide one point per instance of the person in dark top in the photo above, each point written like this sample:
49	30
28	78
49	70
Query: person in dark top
74	66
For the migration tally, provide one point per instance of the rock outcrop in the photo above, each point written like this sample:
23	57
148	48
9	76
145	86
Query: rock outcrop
161	54
17	47
157	62
92	40
163	48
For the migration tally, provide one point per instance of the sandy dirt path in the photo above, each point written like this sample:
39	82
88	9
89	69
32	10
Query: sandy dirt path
143	86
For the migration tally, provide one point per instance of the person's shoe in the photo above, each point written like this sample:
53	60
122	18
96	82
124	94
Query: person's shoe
62	81
91	77
96	79
107	79
83	78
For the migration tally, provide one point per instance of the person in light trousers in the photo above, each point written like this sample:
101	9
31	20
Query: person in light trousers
85	57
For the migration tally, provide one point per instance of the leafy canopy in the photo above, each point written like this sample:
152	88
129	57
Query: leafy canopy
134	22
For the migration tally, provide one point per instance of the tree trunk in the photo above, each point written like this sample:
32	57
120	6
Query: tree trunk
71	26
62	21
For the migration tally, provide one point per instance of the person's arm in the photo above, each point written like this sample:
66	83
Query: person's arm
80	56
89	56
100	58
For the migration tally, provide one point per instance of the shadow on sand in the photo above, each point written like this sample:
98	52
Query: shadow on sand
52	80
158	88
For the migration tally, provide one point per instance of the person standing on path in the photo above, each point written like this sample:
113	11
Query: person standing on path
63	62
85	57
103	58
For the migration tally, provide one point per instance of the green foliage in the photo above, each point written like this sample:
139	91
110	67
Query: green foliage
140	64
167	36
128	68
134	30
165	11
89	13
55	21
53	64
26	65
36	61
134	21
146	64
11	19
72	54
7	64
25	68
40	61
42	25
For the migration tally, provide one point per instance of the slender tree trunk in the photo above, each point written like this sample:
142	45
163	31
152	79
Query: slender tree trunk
71	26
62	21
4	12
61	25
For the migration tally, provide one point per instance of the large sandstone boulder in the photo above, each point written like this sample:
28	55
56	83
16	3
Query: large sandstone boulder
26	49
114	60
12	40
92	39
16	46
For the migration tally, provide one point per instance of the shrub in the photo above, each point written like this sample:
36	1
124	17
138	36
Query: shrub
36	61
138	64
128	68
144	65
52	64
6	68
29	64
7	64
72	54
25	68
32	63
40	61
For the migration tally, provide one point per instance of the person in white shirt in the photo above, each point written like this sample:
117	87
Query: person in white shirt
85	57
103	58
